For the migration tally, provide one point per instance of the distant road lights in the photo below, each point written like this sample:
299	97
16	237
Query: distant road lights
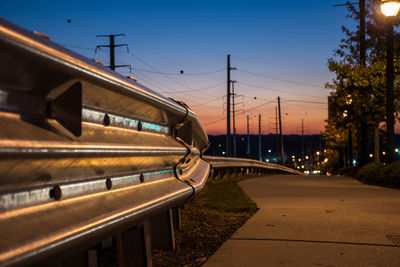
390	8
396	150
299	159
307	157
371	155
384	153
318	153
269	150
326	160
302	166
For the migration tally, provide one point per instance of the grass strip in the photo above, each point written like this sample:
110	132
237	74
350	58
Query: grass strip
207	222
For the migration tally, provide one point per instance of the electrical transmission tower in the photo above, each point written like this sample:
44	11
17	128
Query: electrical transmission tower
112	47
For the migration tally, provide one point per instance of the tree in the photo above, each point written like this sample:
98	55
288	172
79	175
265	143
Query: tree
358	90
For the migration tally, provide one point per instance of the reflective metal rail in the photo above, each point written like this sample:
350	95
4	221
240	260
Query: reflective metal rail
86	154
239	166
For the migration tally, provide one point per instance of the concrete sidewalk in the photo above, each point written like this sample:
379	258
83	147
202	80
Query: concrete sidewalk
315	221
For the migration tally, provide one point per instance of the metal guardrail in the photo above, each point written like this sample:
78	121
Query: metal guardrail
85	152
234	166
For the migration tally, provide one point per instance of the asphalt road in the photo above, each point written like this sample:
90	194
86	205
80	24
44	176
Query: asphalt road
315	221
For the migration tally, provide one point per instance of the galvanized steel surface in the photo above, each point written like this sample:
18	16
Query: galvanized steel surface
220	162
84	151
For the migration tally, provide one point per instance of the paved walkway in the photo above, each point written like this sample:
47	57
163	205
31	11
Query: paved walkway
315	221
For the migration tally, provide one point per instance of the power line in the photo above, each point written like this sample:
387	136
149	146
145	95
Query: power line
306	107
240	114
174	80
278	90
280	79
305	101
199	89
182	74
32	8
205	103
166	76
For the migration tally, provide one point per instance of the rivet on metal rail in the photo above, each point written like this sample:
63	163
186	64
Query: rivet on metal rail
106	120
108	183
56	192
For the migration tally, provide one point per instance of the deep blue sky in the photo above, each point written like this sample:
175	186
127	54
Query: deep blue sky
289	40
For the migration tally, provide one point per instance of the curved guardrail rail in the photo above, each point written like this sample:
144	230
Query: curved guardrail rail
233	166
84	151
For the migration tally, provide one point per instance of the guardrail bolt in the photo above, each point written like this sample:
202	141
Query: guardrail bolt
141	177
106	120
108	183
56	192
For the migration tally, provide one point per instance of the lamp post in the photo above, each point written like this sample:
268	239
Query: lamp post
390	10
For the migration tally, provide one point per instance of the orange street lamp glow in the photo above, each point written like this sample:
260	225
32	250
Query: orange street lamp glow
390	8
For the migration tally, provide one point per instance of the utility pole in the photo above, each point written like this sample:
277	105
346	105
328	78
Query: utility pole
302	138
280	131
389	92
248	135
228	106
112	47
276	134
363	157
233	118
259	138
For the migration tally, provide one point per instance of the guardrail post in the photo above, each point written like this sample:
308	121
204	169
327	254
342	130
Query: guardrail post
134	247
162	231
220	173
176	217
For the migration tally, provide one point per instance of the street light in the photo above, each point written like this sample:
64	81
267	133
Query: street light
390	10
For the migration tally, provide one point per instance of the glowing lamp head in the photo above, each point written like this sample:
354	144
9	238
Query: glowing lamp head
390	8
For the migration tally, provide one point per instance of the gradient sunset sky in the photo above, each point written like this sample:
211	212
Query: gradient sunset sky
280	48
